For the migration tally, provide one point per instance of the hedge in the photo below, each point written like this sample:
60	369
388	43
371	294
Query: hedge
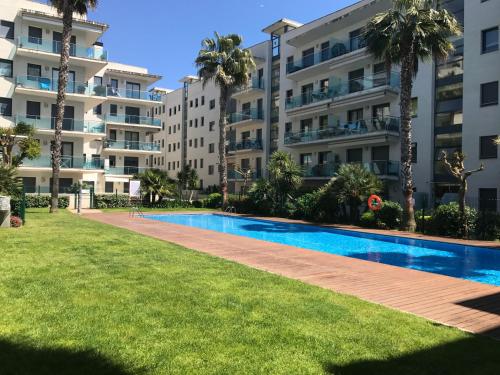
36	201
111	200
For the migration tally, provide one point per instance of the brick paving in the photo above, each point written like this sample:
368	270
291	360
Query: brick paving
467	305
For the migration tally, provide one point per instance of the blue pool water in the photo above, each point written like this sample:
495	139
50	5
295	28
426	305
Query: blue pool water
466	262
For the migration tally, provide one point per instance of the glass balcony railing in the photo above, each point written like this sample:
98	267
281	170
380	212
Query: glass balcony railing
133	94
124	170
335	49
131	145
309	97
253	175
342	88
47	84
134	120
337	129
255	84
377	167
247	144
69	124
252	114
45	161
52	46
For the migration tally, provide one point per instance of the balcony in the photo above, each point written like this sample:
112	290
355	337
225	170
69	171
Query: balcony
124	170
91	95
246	117
374	129
67	162
245	145
337	52
384	169
47	124
133	146
127	95
255	86
253	175
132	120
364	88
309	99
93	59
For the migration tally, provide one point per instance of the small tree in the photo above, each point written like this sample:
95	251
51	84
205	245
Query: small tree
192	182
455	166
246	174
18	143
285	177
187	178
353	185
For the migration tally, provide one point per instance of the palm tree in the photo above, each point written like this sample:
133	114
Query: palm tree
353	185
155	182
66	8
223	61
285	177
412	30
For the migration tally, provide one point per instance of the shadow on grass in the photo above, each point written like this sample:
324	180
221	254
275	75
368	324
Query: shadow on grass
21	359
476	355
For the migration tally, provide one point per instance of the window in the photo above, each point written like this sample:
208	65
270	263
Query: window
201	163
489	40
113	109
196	143
169	147
202	100
6	107
108	187
202	141
487	147
414	152
170	112
489	94
112	160
34	71
212	104
29	184
5	68
195	163
414	107
211	126
34	35
126	187
6	29
355	155
195	122
133	90
211	148
190	143
202	120
33	110
488	199
196	102
190	123
190	103
211	170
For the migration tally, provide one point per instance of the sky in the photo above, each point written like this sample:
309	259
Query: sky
165	35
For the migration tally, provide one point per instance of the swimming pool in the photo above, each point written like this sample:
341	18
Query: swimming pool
466	262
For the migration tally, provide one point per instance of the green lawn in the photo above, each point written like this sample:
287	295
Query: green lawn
78	297
147	209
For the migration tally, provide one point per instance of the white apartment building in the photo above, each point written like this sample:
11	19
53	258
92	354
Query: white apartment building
318	94
108	121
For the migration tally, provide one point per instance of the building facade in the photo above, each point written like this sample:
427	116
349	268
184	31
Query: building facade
108	121
319	95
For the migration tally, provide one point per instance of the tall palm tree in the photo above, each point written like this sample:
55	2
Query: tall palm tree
410	31
223	61
66	8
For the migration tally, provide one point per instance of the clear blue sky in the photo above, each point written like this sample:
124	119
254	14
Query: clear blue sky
165	35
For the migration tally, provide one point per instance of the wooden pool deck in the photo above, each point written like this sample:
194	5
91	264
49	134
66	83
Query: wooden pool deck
459	303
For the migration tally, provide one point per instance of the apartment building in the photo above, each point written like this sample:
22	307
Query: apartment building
319	95
108	121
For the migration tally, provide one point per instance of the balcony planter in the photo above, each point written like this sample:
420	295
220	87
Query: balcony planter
100	91
81	89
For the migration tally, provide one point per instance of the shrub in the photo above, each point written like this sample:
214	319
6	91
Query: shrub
198	204
15	222
245	205
308	207
424	224
446	220
214	200
172	204
390	215
368	220
488	226
111	200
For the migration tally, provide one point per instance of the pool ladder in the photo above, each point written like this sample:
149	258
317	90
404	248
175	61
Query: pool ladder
230	210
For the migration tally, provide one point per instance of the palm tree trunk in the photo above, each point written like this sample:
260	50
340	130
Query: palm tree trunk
224	98
61	98
409	223
461	205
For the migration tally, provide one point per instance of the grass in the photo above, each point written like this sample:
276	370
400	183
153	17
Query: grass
78	297
147	209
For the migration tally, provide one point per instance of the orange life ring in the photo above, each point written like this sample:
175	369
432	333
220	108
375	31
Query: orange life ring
374	202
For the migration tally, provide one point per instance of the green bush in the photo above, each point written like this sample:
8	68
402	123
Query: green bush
36	201
446	220
488	226
390	215
214	200
245	205
171	204
307	206
111	200
368	220
424	224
